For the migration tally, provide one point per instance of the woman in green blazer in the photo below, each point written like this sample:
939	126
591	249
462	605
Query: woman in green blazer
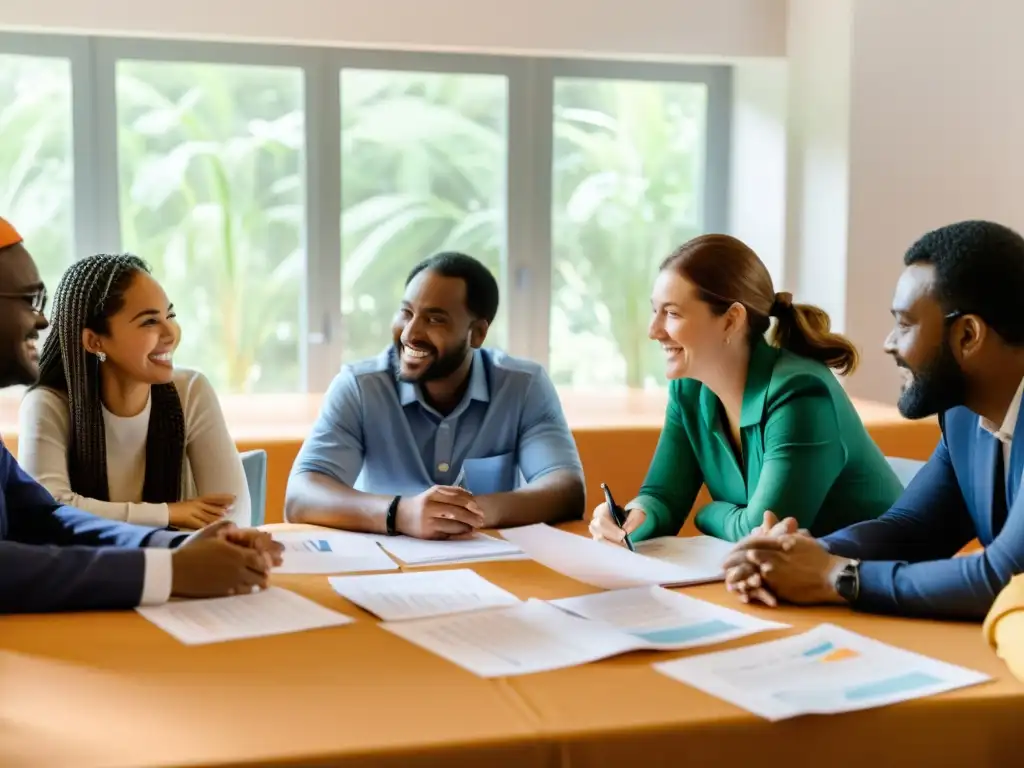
754	412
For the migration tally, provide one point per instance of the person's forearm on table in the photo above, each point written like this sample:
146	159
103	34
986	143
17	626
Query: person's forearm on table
892	538
1004	625
554	498
319	500
1009	638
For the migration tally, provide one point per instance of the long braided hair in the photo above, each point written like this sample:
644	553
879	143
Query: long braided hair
88	294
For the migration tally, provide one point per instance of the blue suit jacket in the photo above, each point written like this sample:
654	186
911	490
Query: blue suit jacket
56	558
912	569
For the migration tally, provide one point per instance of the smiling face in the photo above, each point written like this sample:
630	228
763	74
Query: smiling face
691	334
434	333
141	335
20	324
933	380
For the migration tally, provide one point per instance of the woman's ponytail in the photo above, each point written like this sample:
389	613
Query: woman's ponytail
806	330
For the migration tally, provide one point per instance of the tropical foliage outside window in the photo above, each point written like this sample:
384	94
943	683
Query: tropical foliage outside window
212	193
36	167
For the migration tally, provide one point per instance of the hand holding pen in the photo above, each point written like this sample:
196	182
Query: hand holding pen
612	523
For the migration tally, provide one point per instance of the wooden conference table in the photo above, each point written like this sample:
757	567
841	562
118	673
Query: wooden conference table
110	689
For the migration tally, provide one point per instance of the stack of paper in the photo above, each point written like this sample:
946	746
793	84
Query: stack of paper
273	611
403	596
824	671
702	554
478	546
330	552
664	619
529	637
536	636
602	564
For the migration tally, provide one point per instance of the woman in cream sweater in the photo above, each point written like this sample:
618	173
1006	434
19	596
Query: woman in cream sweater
112	427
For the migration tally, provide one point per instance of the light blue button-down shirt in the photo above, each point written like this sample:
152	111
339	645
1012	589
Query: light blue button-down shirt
377	434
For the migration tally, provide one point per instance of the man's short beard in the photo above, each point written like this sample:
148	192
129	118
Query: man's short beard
441	368
938	386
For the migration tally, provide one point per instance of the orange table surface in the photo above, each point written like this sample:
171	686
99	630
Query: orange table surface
110	689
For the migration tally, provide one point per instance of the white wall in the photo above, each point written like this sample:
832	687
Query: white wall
903	116
819	49
648	29
757	164
937	135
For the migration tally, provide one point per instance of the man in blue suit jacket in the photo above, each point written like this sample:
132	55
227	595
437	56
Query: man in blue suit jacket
959	339
55	558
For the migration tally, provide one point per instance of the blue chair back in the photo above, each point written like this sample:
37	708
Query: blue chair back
255	465
905	469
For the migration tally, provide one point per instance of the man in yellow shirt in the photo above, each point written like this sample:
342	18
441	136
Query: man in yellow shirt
1004	625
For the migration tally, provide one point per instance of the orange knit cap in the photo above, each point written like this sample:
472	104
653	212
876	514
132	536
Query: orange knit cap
8	234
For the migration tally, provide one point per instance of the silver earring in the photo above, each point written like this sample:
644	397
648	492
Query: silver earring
101	356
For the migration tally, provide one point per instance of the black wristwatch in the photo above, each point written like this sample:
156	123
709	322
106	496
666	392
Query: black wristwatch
392	518
848	581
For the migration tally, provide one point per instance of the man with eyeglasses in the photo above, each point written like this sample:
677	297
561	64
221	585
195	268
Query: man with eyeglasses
57	558
959	342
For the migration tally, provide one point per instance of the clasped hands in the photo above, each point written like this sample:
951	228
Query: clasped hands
222	559
778	560
440	512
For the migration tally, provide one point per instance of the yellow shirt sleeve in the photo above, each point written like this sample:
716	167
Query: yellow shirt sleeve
1004	626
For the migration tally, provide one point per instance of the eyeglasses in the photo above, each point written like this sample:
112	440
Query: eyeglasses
37	299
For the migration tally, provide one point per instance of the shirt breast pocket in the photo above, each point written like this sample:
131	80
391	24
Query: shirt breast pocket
491	474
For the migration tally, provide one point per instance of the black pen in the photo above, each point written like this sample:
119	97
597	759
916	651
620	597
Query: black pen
618	515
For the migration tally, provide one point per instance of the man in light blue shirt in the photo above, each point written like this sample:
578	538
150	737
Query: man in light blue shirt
436	437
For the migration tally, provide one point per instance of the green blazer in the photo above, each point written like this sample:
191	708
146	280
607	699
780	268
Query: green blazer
805	454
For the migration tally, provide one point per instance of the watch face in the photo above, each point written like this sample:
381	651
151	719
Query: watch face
846	584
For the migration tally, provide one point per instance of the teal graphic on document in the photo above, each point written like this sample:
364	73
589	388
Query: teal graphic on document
688	633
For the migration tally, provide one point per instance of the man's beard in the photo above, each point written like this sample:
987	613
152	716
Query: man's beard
15	373
938	386
441	368
16	370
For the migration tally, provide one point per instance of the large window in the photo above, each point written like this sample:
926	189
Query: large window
36	168
627	189
422	170
212	195
282	193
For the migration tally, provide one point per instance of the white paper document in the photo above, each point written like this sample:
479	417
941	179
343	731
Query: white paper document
703	555
479	546
824	671
330	552
403	596
273	611
599	563
666	620
529	637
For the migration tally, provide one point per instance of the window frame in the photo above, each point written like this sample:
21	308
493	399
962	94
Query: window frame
449	64
715	171
527	253
77	52
108	51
